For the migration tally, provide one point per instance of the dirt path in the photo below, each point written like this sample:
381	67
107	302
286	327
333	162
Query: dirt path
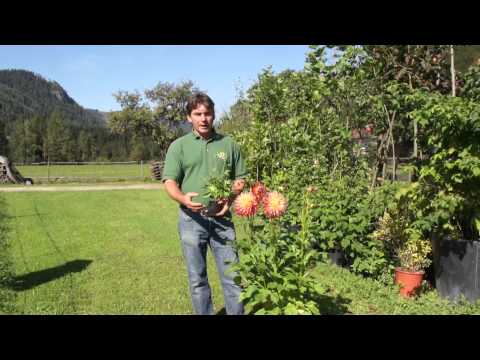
82	187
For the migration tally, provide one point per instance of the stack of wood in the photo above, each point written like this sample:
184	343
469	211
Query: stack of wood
9	174
156	168
3	174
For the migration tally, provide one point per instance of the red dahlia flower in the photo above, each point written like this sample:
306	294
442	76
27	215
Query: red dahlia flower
259	190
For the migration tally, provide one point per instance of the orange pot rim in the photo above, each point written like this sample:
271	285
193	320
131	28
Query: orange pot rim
400	270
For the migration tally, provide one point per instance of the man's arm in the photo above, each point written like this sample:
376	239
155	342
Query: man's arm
176	194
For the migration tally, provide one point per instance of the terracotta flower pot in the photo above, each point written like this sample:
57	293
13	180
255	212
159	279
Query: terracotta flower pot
410	281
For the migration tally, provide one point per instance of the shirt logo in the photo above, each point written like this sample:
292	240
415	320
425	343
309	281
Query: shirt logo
222	156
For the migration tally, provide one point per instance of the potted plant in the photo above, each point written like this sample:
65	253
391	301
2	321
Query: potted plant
414	259
219	189
406	245
446	197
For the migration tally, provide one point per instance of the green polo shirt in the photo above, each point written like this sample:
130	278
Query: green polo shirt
192	160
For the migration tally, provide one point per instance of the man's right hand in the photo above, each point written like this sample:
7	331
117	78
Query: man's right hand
187	201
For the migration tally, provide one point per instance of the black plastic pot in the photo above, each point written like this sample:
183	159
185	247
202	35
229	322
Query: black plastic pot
457	268
337	257
212	209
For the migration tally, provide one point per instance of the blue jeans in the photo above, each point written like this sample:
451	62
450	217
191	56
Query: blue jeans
196	233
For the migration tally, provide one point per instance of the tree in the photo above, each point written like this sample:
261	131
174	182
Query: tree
367	84
157	116
170	101
3	139
59	141
239	116
466	56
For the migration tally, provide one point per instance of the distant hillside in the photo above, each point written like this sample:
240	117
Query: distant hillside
24	93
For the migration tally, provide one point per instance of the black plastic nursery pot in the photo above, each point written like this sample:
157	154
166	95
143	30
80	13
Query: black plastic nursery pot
457	268
213	208
337	257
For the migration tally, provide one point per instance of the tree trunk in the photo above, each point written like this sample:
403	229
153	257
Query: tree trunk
415	130
452	69
385	139
391	121
392	139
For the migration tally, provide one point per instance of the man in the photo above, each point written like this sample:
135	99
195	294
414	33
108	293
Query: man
191	160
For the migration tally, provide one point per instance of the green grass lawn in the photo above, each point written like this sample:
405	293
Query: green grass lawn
56	173
112	252
117	252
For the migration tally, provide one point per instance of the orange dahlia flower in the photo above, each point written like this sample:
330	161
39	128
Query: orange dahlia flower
274	204
245	204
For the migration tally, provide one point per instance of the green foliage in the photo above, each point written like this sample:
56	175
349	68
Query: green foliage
471	86
292	136
219	186
59	144
466	56
159	116
346	212
170	100
446	198
238	117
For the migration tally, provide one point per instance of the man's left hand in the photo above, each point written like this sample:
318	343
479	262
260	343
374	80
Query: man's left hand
226	206
237	188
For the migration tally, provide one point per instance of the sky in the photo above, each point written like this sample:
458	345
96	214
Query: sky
91	74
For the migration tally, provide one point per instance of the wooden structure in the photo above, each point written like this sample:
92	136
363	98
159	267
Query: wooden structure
9	174
156	169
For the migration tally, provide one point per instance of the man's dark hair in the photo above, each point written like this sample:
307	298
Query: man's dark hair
200	99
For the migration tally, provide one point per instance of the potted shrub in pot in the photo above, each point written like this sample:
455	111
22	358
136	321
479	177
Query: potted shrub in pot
446	197
414	259
406	245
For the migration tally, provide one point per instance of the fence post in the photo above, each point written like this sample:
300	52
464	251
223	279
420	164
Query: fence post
141	169
48	172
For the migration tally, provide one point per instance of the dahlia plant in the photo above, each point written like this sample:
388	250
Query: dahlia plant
275	262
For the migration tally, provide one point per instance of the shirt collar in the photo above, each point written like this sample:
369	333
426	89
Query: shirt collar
197	136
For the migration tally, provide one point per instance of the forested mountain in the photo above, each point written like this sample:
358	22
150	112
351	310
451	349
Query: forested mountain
39	121
24	94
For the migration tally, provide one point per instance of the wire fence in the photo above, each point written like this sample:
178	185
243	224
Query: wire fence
76	171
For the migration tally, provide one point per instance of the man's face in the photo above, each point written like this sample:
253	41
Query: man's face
202	120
